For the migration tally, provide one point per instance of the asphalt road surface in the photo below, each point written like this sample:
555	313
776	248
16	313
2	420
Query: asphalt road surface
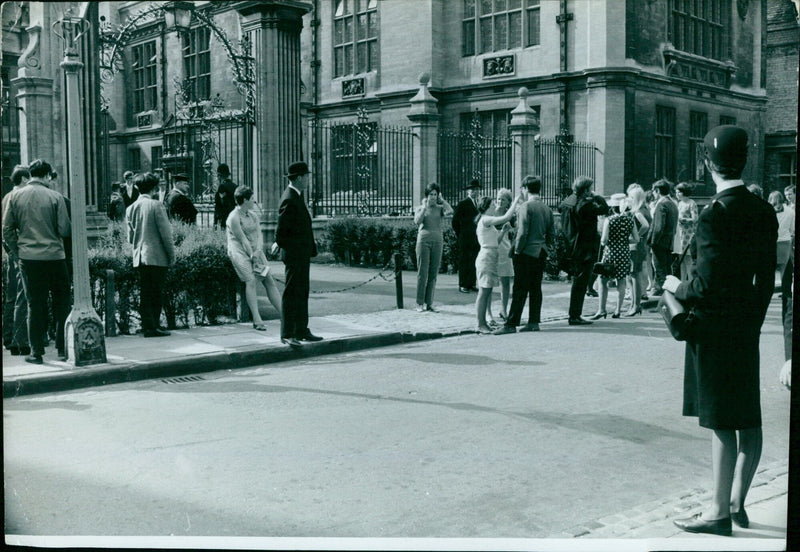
521	435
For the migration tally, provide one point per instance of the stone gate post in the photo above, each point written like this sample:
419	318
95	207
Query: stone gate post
424	117
524	127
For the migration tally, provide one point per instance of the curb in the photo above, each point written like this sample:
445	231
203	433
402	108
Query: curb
80	378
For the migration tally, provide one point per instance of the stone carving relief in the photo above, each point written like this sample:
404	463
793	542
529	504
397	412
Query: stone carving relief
498	66
28	57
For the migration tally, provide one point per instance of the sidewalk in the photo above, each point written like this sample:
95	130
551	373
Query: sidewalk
348	319
366	317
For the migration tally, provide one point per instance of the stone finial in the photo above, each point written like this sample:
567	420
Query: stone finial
522	108
423	102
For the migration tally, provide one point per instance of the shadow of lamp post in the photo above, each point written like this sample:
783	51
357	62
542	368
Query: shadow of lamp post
84	330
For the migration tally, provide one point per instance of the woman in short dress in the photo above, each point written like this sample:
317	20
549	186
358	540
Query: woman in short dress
636	208
246	251
618	232
430	242
505	266
489	238
785	230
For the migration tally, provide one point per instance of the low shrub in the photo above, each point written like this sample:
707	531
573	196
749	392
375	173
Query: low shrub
201	283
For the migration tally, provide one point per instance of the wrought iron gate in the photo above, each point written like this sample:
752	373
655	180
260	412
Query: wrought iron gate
361	169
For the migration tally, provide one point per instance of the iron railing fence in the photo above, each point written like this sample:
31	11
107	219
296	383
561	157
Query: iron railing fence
360	169
196	147
547	162
464	156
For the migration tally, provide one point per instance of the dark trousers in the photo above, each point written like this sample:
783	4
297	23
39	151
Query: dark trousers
151	282
528	273
466	266
580	281
786	284
15	307
662	259
294	318
41	278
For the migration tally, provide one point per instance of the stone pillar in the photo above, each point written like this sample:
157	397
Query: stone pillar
524	127
85	342
273	27
424	117
35	90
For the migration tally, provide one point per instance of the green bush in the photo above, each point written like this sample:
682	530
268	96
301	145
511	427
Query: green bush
373	242
201	283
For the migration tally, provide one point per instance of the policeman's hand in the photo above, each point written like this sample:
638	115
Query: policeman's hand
671	283
786	374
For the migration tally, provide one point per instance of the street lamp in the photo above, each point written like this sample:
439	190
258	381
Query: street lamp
178	15
84	330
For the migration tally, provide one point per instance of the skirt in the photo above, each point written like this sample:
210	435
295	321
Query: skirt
486	267
505	266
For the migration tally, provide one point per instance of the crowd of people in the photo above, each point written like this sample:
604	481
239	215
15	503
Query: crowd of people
36	238
631	241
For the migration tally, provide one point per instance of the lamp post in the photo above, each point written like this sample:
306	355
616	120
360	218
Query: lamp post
84	330
178	15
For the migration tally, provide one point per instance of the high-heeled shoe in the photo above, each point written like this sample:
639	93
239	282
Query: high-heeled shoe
634	312
615	315
598	315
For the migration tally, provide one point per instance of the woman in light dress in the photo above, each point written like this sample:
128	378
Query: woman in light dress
489	238
505	265
637	209
246	251
785	229
687	224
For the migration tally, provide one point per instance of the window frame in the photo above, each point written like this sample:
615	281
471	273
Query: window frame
787	179
701	27
698	127
354	54
144	73
664	142
196	56
474	20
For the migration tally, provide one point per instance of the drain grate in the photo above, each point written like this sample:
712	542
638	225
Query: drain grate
183	379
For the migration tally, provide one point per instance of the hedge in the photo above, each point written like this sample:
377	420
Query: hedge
201	283
373	242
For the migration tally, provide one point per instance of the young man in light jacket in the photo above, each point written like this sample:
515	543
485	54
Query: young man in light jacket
150	234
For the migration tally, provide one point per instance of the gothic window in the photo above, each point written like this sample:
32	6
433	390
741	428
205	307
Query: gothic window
197	63
494	25
698	127
701	27
145	85
155	157
355	37
665	143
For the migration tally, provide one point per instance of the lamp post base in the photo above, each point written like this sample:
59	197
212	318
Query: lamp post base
84	336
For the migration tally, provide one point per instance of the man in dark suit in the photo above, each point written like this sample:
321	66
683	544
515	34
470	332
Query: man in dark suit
662	233
295	237
579	214
223	197
466	238
730	290
129	192
179	206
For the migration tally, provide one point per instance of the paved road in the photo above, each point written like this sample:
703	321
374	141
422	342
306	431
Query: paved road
527	435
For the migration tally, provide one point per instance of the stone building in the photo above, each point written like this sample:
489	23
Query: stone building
639	81
783	56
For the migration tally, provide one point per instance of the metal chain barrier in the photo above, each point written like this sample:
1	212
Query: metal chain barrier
350	288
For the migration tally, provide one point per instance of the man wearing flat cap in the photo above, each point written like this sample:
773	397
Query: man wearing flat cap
466	238
730	291
296	237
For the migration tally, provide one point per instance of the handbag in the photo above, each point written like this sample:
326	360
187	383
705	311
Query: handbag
604	270
260	266
680	322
